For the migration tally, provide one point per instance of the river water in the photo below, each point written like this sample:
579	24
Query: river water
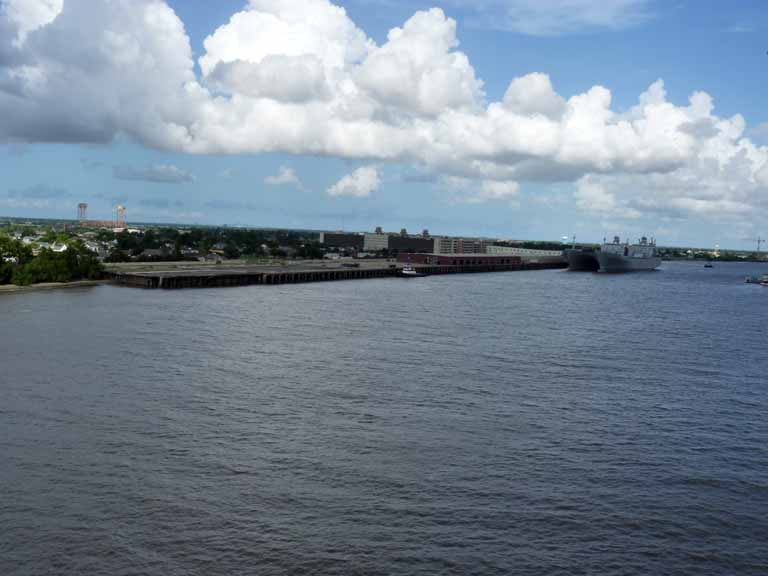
509	423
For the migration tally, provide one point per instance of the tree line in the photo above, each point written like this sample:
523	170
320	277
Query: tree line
20	266
232	243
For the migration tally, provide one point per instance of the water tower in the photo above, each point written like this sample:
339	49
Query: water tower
120	223
82	212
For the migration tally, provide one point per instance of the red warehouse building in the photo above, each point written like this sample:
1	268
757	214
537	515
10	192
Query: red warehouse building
460	259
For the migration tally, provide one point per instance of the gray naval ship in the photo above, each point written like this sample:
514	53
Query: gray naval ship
615	257
582	259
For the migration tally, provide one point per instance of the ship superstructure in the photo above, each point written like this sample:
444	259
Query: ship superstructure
617	257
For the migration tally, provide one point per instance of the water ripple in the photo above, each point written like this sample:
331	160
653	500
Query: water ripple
526	423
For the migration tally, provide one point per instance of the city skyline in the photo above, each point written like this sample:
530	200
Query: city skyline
623	118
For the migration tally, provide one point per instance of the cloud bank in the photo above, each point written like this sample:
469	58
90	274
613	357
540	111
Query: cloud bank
299	77
157	174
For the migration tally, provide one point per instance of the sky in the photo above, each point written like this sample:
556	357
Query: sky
526	119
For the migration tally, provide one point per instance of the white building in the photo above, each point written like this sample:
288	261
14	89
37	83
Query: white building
527	253
375	242
445	245
98	248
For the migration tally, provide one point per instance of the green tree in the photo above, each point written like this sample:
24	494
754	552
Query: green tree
231	251
76	263
50	236
117	255
13	255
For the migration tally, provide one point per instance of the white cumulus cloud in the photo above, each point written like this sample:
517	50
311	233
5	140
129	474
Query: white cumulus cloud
285	177
359	184
286	50
29	15
300	77
418	70
474	192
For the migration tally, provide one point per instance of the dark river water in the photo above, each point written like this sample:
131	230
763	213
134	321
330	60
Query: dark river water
509	423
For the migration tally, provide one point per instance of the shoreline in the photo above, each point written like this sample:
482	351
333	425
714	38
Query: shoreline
14	289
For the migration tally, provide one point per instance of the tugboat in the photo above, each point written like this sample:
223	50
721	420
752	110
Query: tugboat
618	257
411	272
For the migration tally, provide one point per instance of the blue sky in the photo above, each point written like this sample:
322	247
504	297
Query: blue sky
704	186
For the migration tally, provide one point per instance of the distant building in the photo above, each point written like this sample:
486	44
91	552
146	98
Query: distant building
402	242
524	252
98	248
410	244
376	242
444	245
459	246
342	240
380	241
460	259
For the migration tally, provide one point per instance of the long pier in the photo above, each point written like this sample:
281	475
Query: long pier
225	276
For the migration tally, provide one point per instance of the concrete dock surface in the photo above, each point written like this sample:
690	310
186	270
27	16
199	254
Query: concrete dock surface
175	275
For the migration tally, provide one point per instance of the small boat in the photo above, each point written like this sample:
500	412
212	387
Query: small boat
708	265
411	272
757	280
